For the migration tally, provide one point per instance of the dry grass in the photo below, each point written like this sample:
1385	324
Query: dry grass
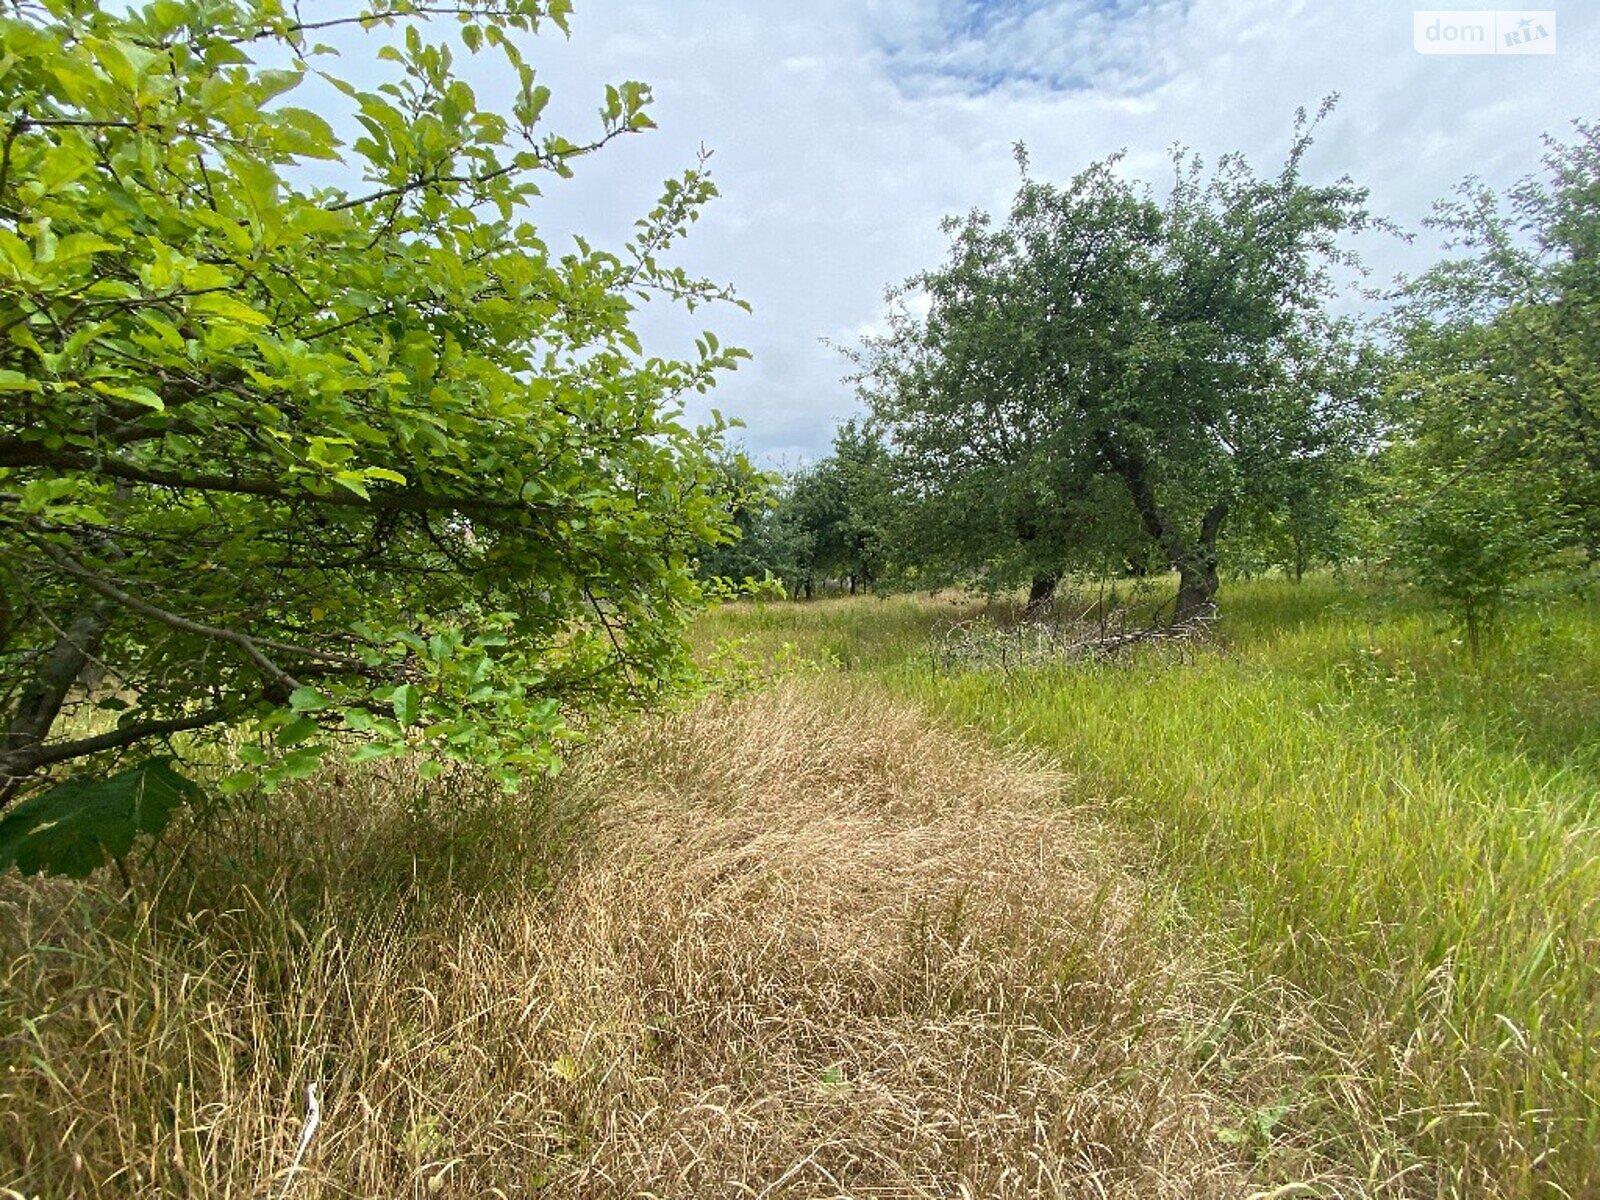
798	944
1402	844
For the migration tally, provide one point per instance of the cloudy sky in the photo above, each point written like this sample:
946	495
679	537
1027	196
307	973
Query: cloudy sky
843	130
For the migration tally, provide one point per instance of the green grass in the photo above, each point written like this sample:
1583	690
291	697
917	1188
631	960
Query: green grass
1407	837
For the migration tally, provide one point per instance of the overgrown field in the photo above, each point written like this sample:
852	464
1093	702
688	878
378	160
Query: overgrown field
801	943
1403	838
1310	911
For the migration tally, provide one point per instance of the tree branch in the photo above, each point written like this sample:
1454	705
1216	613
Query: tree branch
40	703
426	181
126	735
17	127
250	647
18	453
368	19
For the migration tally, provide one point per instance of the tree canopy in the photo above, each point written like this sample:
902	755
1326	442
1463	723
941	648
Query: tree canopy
842	507
1101	368
302	457
1496	457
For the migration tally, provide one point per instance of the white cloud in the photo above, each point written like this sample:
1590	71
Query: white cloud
843	131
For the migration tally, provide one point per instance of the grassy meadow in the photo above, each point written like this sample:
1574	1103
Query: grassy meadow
798	942
1309	910
1400	844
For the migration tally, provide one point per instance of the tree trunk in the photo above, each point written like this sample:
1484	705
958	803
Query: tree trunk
1196	563
1197	570
1197	590
40	703
1040	593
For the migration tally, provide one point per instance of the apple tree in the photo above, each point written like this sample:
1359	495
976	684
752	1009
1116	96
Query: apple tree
305	428
1100	361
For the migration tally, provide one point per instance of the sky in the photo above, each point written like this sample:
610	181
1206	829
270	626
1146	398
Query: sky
842	132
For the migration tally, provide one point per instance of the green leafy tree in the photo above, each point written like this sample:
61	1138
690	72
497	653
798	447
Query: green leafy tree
1497	458
1313	520
1182	352
767	544
303	457
843	506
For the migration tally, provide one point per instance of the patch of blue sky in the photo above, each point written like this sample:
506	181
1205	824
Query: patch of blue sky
920	77
978	47
974	18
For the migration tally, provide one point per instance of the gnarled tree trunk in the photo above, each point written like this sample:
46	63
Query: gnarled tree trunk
1197	589
1040	593
1197	570
1196	561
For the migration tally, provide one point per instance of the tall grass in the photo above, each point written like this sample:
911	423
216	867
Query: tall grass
1407	837
1312	913
798	944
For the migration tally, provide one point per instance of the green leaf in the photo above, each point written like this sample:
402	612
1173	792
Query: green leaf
407	704
353	481
72	828
301	729
238	781
136	393
217	304
306	699
16	381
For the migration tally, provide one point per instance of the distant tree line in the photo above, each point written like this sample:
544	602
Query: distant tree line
1104	381
826	524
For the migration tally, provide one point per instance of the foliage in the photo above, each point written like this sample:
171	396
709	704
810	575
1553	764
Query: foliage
1471	539
309	437
1315	520
1100	369
827	520
1498	461
768	549
75	826
843	505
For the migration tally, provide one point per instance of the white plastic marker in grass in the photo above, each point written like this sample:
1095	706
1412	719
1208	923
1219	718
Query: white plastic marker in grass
307	1132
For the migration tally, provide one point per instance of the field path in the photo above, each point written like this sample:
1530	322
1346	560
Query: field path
827	949
802	943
